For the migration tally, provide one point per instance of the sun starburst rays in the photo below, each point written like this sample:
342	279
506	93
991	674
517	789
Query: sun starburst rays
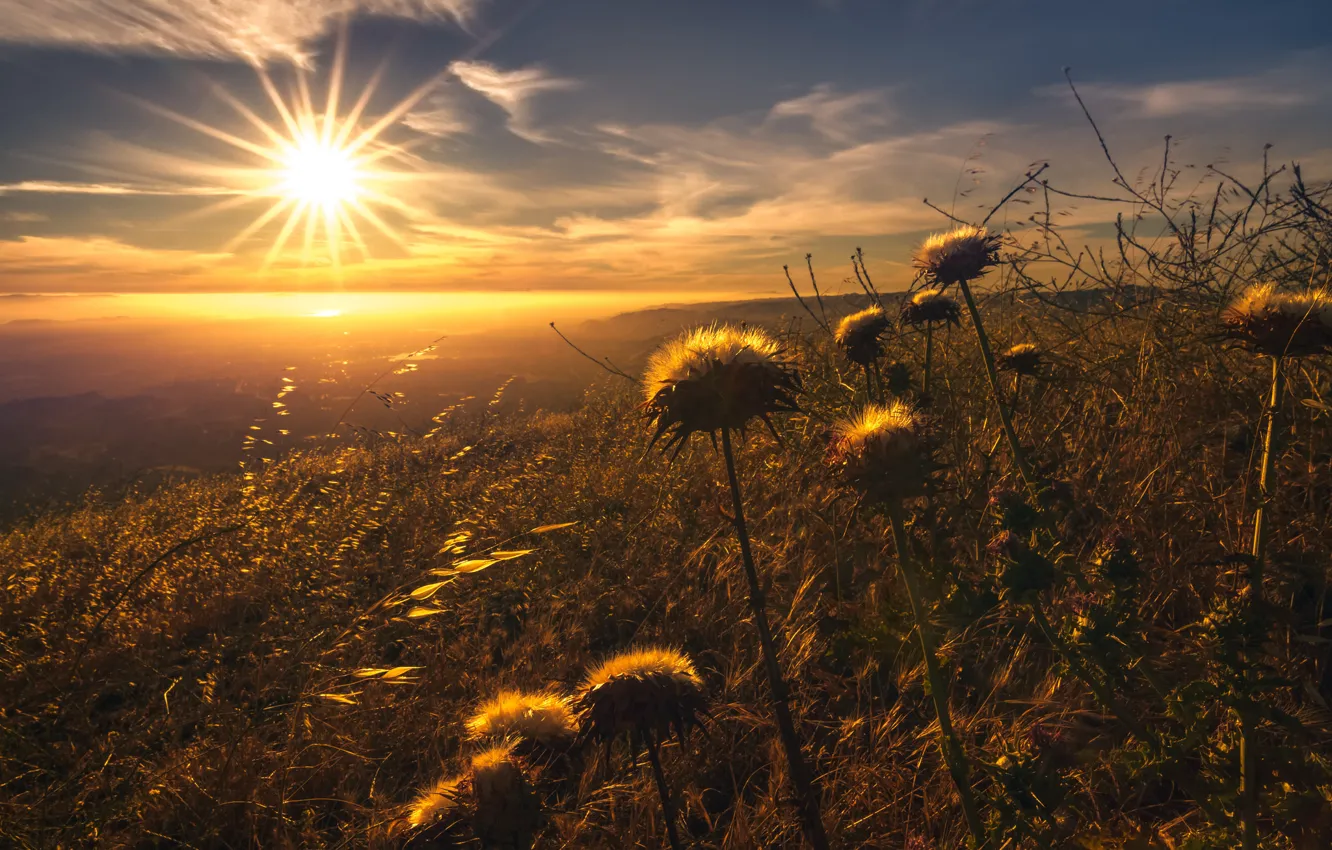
322	172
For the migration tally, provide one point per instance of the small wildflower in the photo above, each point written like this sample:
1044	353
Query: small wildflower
1281	324
859	335
717	377
1023	358
931	307
647	693
963	254
883	452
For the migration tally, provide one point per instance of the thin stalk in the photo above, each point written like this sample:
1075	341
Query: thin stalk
1249	779
953	753
1249	757
869	382
1005	417
806	785
667	807
1266	484
929	361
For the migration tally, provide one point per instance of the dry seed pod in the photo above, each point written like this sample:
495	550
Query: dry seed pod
883	452
1281	324
859	335
1023	358
716	377
962	254
931	307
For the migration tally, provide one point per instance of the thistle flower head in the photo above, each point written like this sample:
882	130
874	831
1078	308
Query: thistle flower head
506	811
716	377
1023	358
962	254
493	797
931	307
1279	323
859	335
647	693
541	719
882	452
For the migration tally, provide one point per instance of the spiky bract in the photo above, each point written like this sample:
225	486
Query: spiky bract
436	804
647	693
716	377
931	307
1281	324
883	452
962	254
543	719
1023	358
860	335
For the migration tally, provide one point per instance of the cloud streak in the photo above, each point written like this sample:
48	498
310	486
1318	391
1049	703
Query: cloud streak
259	30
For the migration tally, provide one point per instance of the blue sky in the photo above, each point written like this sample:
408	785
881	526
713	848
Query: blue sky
601	145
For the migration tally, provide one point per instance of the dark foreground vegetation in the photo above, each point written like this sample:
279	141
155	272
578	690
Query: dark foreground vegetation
290	658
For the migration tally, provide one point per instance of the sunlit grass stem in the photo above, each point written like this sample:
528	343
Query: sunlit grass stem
954	756
806	785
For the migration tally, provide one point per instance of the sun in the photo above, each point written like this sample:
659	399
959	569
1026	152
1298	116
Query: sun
321	174
324	172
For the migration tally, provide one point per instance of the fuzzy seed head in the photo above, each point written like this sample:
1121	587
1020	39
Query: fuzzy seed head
859	335
544	719
931	307
1279	323
883	452
716	377
1023	358
963	254
645	692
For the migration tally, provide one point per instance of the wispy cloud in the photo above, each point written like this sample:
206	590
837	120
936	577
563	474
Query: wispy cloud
253	29
511	90
55	187
841	116
1301	81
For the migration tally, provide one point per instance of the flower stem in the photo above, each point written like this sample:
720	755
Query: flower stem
1005	417
805	784
1249	781
1266	485
929	362
953	753
667	807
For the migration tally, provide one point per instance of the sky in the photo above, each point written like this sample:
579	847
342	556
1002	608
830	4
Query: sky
684	147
